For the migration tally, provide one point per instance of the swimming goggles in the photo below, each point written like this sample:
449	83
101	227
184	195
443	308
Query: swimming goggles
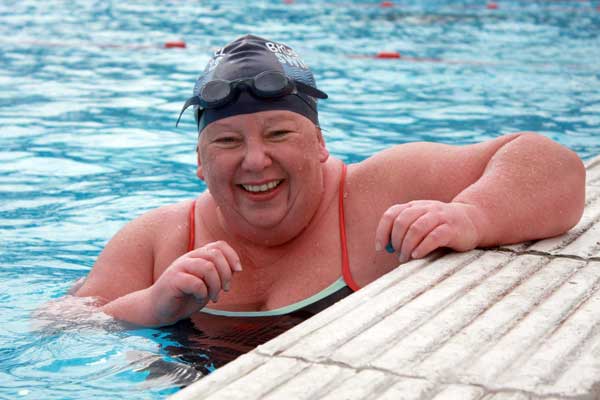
266	85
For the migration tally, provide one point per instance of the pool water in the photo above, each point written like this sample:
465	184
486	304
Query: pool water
89	96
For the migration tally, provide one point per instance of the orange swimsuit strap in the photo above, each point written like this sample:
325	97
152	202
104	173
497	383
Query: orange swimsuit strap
345	259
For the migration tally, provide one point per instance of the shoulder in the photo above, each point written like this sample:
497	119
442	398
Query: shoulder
155	221
165	215
421	170
419	157
168	224
154	230
129	260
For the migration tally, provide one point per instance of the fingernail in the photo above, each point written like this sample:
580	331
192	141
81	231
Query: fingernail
377	246
401	258
215	298
226	286
238	267
390	248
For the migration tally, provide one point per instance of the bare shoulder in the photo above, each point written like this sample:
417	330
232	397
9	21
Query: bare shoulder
423	170
163	218
128	261
153	227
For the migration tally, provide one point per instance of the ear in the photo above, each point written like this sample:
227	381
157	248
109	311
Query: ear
323	152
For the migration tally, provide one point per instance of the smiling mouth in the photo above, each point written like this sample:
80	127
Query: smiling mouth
266	187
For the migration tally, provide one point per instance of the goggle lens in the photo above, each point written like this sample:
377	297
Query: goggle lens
215	91
268	84
265	85
272	84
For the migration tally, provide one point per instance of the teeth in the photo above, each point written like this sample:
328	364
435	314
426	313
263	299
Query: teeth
262	188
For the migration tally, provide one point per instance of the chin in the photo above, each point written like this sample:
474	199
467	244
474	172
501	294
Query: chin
245	220
264	222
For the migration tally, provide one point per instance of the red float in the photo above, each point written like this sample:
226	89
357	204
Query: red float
175	45
387	54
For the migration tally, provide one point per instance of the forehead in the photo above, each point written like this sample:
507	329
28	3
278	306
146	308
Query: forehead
262	119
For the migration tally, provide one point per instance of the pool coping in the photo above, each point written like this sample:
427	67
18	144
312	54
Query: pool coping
513	322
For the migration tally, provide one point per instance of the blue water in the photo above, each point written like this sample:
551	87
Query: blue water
89	98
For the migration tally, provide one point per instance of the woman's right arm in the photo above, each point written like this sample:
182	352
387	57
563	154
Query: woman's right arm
123	276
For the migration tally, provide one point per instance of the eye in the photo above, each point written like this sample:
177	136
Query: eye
226	140
279	134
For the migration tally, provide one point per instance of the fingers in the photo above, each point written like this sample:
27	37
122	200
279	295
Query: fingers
416	232
223	258
191	285
394	225
217	261
411	229
384	228
206	271
440	236
228	252
403	224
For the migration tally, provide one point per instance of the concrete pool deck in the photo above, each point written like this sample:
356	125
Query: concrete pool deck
515	322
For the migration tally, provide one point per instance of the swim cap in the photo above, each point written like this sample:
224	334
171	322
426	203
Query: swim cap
244	60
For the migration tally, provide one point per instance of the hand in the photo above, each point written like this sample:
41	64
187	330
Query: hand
191	280
417	228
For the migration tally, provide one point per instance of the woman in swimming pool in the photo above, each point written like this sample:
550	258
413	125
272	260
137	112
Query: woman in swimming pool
284	227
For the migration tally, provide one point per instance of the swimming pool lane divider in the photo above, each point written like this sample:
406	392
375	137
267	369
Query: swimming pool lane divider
388	55
394	55
491	5
180	44
175	44
381	55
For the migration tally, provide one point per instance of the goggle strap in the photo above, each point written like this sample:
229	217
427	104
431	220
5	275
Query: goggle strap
312	107
309	90
192	101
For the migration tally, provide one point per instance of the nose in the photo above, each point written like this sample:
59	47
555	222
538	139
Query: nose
257	157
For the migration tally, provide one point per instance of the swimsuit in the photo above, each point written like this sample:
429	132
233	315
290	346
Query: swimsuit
334	292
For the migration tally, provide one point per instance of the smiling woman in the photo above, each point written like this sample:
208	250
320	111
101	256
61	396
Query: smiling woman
88	143
271	204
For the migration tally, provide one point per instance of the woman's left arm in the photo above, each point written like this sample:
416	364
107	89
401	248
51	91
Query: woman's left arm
526	187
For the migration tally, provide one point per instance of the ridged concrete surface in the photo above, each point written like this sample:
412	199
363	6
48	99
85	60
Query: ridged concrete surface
518	322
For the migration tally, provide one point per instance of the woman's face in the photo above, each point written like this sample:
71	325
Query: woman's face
263	170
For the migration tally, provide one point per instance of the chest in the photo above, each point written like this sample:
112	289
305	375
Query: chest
278	277
271	277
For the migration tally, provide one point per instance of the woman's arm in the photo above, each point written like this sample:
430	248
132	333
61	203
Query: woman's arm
514	188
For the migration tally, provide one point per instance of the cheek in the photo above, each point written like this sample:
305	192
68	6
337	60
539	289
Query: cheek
217	174
206	161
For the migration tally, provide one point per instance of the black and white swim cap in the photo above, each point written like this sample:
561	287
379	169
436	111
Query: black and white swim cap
247	57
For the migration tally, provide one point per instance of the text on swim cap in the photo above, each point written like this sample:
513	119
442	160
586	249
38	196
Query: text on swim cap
285	55
217	58
280	48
